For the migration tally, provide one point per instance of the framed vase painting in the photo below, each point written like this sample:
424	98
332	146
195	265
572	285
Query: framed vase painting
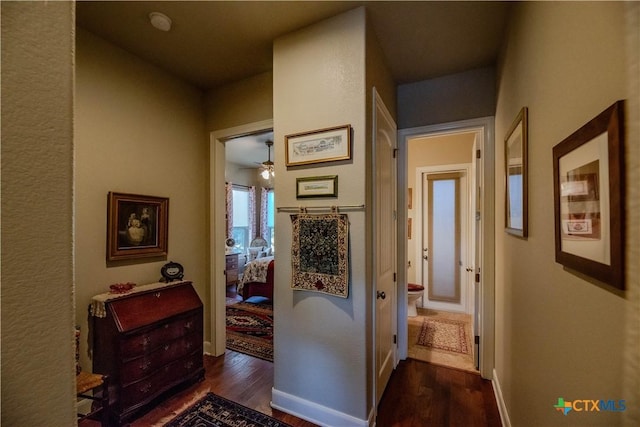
588	174
137	226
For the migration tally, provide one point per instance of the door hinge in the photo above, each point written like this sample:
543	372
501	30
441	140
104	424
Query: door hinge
477	277
394	277
395	339
478	154
395	152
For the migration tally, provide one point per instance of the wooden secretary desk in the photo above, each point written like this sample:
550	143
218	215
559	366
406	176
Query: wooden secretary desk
149	342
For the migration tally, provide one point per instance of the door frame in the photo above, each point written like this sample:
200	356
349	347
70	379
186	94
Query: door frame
486	145
467	297
217	227
379	108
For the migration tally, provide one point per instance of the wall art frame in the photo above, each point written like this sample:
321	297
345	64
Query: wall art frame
516	176
137	226
319	146
317	187
588	175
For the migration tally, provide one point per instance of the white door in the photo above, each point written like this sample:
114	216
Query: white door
446	273
385	244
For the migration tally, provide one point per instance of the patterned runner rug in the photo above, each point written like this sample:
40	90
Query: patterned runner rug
250	329
215	411
444	334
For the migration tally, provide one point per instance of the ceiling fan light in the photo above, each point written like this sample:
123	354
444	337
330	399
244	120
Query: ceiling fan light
265	174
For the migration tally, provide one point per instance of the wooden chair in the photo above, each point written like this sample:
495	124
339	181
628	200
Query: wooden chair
99	386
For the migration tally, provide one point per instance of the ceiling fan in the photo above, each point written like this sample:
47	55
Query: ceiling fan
267	166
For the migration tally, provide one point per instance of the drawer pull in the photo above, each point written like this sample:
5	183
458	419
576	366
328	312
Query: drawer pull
145	365
188	325
166	326
145	388
188	365
157	295
166	347
189	345
146	340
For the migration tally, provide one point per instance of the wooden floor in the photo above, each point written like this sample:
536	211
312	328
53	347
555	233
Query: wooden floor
419	394
422	394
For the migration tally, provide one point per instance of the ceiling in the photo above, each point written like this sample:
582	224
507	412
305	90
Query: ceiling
213	43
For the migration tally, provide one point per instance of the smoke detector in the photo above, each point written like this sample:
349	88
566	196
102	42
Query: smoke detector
160	21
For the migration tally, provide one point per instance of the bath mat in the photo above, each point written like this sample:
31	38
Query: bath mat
442	334
216	411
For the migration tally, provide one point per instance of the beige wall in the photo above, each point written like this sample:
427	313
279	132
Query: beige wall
38	370
138	130
320	344
454	149
557	335
467	95
236	104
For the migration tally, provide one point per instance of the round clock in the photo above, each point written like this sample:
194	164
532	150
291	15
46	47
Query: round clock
230	242
172	271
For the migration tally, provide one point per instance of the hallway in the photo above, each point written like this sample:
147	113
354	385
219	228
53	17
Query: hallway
422	394
419	394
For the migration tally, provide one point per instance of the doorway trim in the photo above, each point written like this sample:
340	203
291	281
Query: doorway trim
486	144
217	228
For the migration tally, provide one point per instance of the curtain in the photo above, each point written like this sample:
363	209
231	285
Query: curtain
264	200
252	213
229	208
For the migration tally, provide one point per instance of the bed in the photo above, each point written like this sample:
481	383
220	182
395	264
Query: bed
257	279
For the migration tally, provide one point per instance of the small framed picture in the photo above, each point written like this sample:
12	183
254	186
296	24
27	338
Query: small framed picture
317	186
588	178
319	146
137	226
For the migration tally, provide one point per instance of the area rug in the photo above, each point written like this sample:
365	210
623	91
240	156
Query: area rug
442	334
250	329
450	359
215	411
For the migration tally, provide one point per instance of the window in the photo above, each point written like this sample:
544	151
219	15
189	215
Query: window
240	230
270	233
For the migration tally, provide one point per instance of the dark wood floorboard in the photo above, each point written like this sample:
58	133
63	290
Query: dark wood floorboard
420	394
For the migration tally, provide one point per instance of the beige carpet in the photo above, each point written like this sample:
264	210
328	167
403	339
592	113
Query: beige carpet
444	347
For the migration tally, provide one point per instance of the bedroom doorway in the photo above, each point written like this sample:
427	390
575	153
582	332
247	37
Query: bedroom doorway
230	257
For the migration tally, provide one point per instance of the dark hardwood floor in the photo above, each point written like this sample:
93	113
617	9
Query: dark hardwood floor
422	394
419	394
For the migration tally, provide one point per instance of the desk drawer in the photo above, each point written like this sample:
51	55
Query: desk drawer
149	341
140	367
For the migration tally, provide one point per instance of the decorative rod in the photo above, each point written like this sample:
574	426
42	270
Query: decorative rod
297	209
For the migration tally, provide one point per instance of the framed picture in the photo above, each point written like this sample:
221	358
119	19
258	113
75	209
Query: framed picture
325	145
588	175
317	186
137	226
515	167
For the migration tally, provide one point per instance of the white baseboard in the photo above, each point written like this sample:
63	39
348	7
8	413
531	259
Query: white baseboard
207	348
502	407
312	412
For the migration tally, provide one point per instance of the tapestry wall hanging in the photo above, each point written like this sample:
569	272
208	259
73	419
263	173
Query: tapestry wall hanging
320	253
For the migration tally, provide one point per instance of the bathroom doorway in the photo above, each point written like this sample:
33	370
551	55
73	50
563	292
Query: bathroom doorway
478	169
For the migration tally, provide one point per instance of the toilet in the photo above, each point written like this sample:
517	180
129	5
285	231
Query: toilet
414	294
